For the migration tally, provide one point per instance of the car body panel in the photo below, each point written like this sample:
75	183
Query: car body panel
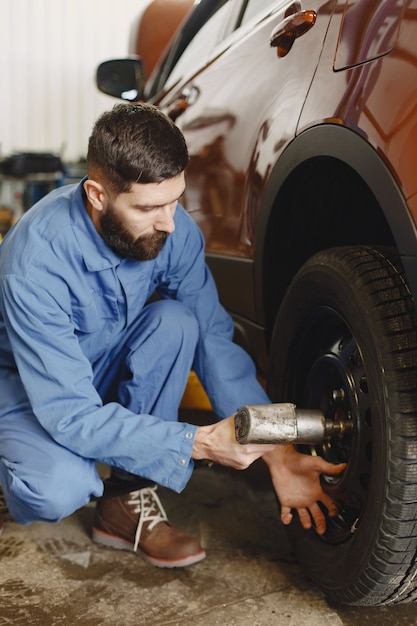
376	99
230	157
232	160
366	34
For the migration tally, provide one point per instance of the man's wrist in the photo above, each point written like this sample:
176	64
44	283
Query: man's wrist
275	456
201	447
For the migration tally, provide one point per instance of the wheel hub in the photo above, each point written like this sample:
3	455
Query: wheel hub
336	384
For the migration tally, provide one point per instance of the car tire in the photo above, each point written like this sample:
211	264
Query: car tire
345	342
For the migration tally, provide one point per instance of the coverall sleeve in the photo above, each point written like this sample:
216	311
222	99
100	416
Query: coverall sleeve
58	381
225	370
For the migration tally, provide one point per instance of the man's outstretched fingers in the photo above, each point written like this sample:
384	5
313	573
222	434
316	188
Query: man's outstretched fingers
319	518
286	515
331	506
305	518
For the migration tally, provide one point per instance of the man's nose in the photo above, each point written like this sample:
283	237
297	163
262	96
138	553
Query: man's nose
165	219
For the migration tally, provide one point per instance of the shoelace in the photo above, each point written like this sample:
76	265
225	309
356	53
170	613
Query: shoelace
146	503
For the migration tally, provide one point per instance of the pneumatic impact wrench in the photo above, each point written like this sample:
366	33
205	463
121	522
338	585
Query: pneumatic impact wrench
283	423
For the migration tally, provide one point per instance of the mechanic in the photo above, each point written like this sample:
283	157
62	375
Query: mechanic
93	366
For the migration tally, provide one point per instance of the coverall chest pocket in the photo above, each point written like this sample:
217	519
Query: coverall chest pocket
94	324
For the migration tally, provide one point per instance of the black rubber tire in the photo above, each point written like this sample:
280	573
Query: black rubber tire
345	342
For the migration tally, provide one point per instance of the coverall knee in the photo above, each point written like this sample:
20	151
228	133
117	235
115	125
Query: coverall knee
149	373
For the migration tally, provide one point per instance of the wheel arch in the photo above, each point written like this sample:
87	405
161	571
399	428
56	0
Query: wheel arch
330	187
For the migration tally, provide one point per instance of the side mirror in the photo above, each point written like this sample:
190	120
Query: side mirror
122	78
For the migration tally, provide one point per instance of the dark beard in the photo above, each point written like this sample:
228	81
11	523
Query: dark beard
144	248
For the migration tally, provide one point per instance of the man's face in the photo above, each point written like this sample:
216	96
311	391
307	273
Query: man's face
136	224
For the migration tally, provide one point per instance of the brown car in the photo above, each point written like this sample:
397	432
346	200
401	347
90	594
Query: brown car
301	121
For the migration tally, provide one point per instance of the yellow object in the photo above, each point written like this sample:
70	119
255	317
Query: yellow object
194	396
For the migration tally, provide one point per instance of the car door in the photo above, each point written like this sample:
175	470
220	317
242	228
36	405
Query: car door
241	108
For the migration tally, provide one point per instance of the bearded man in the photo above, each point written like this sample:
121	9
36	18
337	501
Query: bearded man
106	304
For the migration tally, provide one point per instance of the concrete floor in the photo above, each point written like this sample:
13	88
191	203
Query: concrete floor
53	574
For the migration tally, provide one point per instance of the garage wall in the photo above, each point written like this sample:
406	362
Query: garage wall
49	50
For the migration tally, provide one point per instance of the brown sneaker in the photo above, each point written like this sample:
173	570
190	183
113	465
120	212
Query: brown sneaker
137	521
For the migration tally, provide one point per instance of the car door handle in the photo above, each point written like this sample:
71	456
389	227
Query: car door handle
292	27
186	98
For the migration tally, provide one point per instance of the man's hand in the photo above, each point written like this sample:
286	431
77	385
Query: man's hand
217	443
296	480
295	476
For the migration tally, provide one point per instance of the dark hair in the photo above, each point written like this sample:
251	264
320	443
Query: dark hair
135	143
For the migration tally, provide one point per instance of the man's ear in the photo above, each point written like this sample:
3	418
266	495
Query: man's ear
95	193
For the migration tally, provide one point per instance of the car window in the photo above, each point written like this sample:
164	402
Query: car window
193	44
199	49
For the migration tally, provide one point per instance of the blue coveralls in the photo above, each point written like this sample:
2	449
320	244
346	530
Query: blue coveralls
90	372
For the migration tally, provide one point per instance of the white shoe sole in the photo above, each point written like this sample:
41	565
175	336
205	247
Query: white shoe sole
111	541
